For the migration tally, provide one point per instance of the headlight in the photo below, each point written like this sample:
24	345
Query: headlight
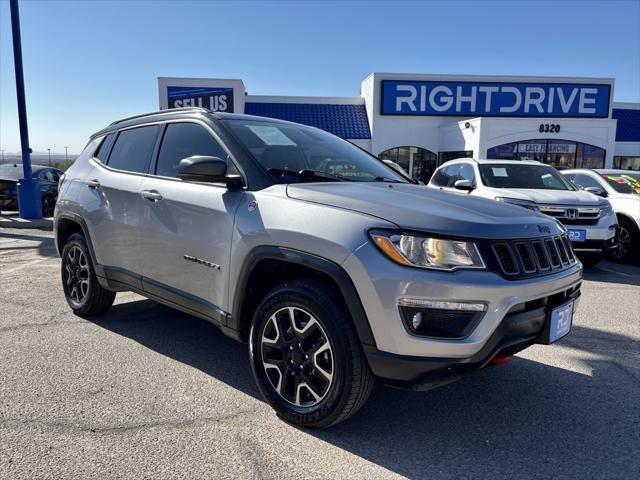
605	209
520	203
427	252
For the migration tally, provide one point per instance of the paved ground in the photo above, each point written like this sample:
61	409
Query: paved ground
147	392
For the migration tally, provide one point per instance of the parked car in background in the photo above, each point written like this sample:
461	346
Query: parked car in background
10	175
589	219
622	189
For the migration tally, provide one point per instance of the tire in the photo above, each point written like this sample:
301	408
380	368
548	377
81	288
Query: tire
84	294
628	246
328	385
591	260
48	206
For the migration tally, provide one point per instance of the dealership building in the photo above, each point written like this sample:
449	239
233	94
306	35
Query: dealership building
420	120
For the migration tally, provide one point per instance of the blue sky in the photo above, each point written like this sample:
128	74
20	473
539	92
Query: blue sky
88	63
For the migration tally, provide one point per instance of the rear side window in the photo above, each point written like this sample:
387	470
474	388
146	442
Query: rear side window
105	146
133	148
183	140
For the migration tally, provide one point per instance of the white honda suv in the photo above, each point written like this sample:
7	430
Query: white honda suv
589	219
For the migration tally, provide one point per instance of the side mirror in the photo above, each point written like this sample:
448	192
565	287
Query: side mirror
202	169
464	185
596	191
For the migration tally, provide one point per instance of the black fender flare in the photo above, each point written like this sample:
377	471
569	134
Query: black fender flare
309	260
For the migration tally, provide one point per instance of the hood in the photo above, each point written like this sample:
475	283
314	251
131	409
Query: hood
416	207
552	197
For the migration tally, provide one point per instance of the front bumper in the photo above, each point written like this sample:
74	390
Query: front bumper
381	284
515	332
598	244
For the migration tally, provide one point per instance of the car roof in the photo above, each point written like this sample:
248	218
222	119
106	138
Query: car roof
602	171
482	161
177	113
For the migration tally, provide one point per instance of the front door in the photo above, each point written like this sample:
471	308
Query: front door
186	226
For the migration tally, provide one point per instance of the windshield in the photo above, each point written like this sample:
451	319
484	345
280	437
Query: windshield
284	150
624	182
511	175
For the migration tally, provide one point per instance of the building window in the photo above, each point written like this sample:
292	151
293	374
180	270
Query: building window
419	162
446	156
626	163
559	153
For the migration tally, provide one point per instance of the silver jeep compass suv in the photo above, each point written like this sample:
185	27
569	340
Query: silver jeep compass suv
334	267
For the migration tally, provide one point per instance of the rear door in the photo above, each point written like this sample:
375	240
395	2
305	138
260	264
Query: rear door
187	226
113	217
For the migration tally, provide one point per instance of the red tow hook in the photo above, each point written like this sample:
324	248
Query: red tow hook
500	359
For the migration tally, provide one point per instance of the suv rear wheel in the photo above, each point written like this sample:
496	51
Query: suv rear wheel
306	357
84	294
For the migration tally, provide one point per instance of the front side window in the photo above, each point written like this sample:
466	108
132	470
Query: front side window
467	173
581	180
133	148
285	150
183	140
513	175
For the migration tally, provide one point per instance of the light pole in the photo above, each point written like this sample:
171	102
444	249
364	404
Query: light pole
66	155
49	150
28	188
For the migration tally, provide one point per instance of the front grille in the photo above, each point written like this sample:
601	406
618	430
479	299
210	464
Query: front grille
532	257
573	215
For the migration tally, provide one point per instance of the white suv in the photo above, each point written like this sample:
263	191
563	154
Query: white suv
622	189
590	221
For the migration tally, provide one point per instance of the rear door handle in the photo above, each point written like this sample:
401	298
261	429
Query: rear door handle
93	183
151	195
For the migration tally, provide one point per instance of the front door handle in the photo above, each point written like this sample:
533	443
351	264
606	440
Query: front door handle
151	195
93	183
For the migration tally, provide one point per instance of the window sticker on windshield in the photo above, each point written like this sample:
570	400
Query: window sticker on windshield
271	135
499	172
633	183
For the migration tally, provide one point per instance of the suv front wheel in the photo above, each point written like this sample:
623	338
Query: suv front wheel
305	355
84	294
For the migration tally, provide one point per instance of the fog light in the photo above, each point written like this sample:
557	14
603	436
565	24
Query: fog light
442	319
417	321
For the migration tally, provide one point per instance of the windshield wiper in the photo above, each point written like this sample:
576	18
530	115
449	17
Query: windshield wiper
386	179
309	175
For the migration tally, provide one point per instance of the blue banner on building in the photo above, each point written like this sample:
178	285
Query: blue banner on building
493	99
216	99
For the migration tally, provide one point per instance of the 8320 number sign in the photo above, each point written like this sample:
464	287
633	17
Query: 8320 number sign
549	128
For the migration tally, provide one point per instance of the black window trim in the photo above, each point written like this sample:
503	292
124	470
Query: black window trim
156	153
106	166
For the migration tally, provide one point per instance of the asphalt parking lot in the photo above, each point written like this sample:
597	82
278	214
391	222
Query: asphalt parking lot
148	392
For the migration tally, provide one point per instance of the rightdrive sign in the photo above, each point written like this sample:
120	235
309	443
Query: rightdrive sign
495	99
216	99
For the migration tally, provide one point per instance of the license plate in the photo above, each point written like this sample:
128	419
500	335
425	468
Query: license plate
561	319
577	235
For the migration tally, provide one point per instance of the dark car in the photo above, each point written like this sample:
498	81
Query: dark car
47	177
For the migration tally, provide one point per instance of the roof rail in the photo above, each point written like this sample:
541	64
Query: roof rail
166	111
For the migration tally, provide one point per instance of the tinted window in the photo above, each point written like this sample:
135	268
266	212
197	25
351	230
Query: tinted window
48	175
182	140
441	178
105	146
133	148
453	174
467	173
